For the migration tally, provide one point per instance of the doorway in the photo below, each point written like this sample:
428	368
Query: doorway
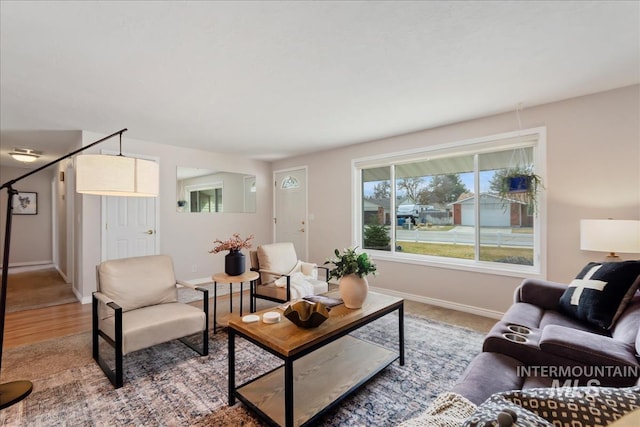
290	209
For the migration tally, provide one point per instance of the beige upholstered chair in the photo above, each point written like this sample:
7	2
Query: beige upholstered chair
136	306
279	266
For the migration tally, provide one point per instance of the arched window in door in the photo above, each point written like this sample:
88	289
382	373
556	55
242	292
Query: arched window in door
289	182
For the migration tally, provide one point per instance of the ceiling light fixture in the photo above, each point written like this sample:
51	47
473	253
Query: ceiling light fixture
25	155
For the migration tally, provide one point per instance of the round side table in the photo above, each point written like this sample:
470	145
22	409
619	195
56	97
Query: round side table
247	276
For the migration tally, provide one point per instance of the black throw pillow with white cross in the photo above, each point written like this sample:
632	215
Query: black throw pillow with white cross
601	292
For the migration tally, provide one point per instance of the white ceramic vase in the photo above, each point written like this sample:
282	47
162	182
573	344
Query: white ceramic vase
353	290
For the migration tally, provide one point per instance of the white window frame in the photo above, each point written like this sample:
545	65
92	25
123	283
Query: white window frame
200	187
475	145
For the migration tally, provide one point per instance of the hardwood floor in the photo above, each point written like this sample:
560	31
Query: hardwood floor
32	326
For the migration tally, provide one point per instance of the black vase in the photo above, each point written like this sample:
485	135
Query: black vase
234	263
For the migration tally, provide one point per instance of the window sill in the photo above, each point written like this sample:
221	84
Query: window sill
511	270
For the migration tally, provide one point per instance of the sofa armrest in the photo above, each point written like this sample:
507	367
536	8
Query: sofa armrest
326	272
275	273
309	269
186	284
586	347
541	293
103	298
205	291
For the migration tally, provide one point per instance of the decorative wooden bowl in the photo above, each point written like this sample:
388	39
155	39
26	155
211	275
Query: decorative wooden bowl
306	314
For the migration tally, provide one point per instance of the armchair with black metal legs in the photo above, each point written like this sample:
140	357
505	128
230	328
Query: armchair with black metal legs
96	174
277	263
136	306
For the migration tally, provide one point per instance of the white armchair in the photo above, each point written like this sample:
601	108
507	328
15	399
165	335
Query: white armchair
136	306
279	269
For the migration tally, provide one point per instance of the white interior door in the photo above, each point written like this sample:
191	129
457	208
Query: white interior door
130	227
290	218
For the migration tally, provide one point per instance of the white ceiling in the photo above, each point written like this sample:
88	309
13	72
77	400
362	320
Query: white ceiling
272	79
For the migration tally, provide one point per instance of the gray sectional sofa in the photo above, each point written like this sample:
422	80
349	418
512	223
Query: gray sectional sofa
536	344
561	355
559	344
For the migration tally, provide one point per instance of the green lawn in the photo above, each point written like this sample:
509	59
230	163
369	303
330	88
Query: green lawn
487	253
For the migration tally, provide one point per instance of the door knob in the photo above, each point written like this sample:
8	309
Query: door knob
301	230
149	232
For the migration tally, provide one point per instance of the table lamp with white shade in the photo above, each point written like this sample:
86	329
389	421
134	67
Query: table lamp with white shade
610	235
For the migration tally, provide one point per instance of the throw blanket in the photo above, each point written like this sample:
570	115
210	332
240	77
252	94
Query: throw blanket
300	286
448	410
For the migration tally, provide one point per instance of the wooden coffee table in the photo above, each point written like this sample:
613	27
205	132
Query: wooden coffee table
322	365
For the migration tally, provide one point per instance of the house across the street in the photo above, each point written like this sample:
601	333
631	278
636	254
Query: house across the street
494	211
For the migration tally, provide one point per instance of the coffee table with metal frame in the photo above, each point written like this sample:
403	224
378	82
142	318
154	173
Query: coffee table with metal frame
321	366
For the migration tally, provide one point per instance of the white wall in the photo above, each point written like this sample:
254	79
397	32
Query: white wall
62	199
593	171
43	238
31	235
187	237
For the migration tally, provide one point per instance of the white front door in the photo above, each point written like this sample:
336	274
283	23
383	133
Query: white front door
290	218
130	227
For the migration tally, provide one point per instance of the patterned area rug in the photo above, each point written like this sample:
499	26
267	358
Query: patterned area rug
170	385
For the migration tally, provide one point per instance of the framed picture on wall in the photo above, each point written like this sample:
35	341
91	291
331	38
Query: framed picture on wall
25	203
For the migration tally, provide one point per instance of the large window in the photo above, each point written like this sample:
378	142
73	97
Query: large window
376	208
445	205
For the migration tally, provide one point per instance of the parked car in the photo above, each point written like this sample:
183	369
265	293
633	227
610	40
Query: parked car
412	213
408	211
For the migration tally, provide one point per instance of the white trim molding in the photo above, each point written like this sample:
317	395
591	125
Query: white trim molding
479	311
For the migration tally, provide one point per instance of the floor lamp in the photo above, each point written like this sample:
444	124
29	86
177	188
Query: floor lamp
109	175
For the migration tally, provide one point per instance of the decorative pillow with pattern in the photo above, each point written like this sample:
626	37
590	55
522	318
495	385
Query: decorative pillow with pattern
559	406
491	409
601	292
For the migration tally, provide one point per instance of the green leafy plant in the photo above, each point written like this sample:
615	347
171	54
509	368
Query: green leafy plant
376	236
350	262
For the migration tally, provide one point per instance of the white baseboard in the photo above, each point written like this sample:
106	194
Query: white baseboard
64	276
492	314
30	266
85	300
